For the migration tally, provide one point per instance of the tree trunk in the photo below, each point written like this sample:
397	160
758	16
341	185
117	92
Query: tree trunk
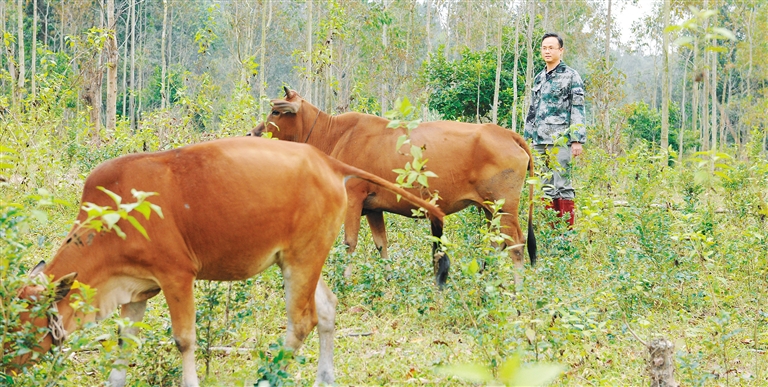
110	49
607	60
514	70
20	42
662	363
163	65
713	90
529	40
266	7
704	104
382	87
429	24
682	112
665	87
497	84
126	43
131	96
33	65
309	49
2	40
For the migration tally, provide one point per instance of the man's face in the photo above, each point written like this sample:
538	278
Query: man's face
551	50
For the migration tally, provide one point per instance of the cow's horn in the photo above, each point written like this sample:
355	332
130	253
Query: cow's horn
287	91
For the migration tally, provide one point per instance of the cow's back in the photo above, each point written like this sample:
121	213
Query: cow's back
462	155
231	206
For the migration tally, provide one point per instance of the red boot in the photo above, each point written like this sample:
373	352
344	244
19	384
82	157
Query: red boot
566	207
551	204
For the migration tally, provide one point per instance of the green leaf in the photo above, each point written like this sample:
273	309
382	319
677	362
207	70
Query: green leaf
144	209
683	41
118	231
537	375
416	152
470	372
474	267
429	174
157	209
138	226
96	225
724	33
110	219
411	178
509	369
41	216
422	179
400	141
111	194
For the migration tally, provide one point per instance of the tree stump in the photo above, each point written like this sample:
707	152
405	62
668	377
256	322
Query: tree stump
662	365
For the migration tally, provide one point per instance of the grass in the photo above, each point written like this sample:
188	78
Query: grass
684	259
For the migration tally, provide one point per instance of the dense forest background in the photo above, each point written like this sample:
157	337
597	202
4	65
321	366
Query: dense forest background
672	212
210	65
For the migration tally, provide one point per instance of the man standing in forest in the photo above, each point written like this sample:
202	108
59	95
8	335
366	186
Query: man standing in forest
555	122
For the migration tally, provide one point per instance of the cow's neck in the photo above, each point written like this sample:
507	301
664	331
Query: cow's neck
329	130
326	132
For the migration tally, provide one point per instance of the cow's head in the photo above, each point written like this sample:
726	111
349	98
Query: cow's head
290	119
40	325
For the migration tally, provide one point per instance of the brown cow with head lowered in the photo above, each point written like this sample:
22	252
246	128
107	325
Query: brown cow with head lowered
231	209
474	164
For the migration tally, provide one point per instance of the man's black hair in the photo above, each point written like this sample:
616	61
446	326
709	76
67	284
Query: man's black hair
553	35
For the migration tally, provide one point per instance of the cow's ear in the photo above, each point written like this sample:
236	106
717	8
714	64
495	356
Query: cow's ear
63	286
285	106
37	269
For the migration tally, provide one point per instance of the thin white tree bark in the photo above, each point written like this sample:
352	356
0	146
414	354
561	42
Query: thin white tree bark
126	43
2	39
265	19
515	69
20	43
497	83
665	86
163	64
607	62
529	40
33	65
309	49
110	48
132	97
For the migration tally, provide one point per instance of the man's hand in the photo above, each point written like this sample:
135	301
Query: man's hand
576	149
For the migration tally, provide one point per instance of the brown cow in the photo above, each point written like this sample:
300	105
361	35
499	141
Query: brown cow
474	164
232	208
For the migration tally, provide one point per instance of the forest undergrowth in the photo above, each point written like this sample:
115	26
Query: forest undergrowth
677	250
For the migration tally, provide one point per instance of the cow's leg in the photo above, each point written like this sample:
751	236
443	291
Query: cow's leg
352	221
181	303
379	232
440	259
325	302
352	224
135	313
511	226
301	285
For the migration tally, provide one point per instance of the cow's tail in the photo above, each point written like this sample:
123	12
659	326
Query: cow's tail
435	214
531	240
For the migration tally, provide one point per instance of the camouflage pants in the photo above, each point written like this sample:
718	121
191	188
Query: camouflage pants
558	185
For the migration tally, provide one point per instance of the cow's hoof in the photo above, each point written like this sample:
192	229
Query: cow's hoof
442	266
348	272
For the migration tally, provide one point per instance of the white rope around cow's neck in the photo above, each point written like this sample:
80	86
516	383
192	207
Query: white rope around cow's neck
55	321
